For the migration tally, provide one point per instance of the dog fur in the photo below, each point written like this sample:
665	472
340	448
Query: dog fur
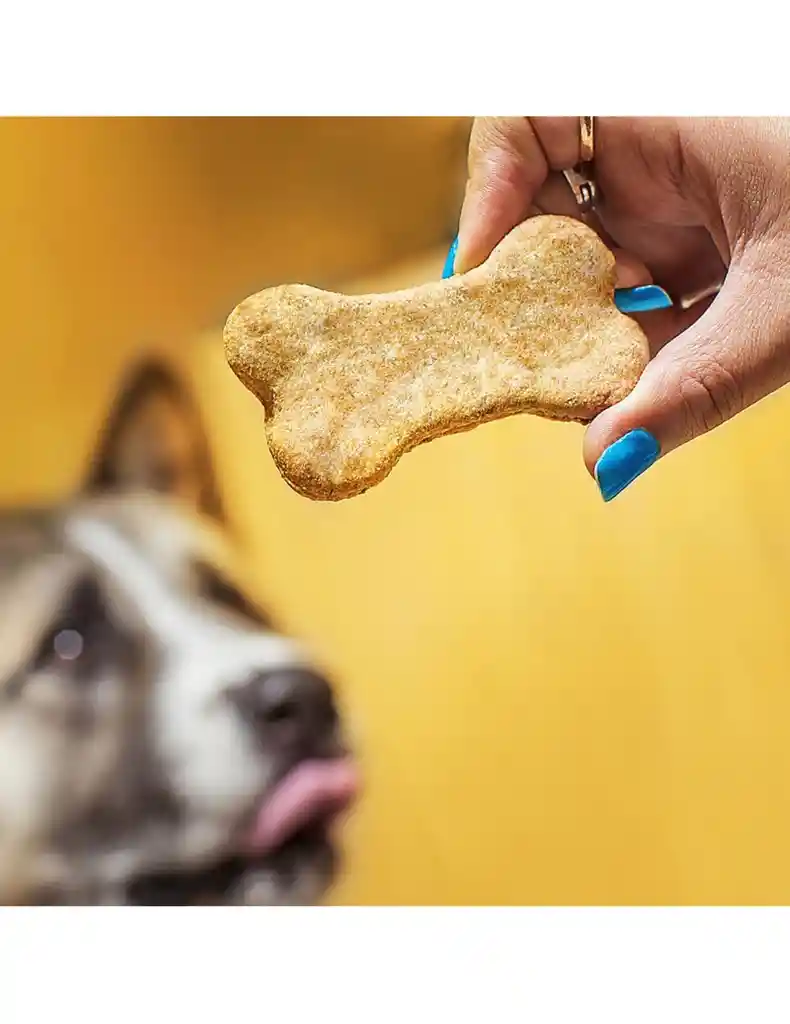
130	767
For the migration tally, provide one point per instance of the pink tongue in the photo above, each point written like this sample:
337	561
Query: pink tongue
313	790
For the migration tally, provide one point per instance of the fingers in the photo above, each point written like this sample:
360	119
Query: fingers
509	160
631	271
556	196
730	357
664	325
514	171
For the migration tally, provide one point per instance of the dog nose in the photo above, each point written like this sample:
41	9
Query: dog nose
291	708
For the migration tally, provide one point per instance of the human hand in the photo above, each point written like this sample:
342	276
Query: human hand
682	203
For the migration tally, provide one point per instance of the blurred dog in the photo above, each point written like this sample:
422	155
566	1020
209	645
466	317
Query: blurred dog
161	742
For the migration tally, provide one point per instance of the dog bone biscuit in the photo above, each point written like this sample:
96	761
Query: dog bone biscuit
349	383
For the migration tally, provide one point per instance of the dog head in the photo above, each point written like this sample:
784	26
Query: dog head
161	741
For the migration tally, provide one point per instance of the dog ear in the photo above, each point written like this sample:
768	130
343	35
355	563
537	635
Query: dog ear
154	440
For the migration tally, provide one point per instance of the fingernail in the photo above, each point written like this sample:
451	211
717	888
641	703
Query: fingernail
624	461
643	299
449	263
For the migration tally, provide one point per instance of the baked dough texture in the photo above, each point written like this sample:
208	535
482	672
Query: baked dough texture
349	383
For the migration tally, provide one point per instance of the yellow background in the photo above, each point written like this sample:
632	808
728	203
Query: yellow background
557	701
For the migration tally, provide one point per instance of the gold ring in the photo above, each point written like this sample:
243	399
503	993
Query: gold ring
583	189
580	178
586	140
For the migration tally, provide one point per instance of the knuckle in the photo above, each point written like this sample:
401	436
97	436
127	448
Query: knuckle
506	150
491	136
710	394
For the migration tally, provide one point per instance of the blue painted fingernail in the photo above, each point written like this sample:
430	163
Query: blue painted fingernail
449	263
624	461
643	299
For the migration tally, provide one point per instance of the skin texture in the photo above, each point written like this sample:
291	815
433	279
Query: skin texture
684	202
351	383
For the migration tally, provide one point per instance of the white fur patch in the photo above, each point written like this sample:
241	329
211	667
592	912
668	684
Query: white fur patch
210	753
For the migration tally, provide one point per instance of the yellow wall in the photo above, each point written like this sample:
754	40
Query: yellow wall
559	701
101	254
123	235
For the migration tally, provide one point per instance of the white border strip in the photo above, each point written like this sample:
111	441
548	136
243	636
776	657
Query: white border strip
421	965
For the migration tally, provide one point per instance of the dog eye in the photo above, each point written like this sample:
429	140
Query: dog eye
81	634
68	644
219	590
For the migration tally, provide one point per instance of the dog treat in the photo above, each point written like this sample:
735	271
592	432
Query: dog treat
349	383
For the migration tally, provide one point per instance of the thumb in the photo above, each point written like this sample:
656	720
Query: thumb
736	353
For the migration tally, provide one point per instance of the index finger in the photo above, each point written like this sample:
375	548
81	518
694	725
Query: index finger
510	158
